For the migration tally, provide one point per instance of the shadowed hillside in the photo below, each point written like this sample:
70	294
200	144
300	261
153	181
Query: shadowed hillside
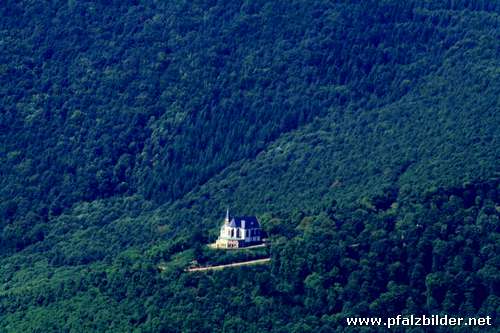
365	135
156	98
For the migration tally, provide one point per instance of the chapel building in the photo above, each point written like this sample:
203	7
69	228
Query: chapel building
239	231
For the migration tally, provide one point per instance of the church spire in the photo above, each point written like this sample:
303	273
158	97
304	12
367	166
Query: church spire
227	217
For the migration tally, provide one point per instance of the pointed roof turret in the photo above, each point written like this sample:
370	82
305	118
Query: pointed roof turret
226	220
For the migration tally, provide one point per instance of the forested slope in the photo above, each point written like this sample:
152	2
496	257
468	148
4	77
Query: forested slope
428	255
364	134
155	98
444	133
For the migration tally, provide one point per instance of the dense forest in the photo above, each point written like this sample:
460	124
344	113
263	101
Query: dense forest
365	135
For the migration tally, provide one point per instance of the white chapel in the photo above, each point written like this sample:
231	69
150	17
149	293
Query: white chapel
239	231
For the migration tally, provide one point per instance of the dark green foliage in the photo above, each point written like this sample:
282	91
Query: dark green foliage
435	254
101	100
218	257
364	134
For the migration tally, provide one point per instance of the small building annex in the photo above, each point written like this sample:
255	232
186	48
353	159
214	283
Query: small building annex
239	231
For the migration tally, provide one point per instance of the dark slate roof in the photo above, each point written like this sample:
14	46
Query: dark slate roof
251	222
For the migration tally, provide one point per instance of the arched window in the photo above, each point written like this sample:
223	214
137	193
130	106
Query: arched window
232	232
237	233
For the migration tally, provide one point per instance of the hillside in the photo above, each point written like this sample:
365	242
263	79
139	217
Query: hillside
364	134
154	99
435	136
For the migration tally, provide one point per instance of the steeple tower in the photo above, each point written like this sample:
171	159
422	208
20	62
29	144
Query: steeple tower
226	221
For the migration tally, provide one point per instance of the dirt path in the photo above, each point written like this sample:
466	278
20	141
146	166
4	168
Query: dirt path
243	263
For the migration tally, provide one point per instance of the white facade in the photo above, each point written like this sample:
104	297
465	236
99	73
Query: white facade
239	232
